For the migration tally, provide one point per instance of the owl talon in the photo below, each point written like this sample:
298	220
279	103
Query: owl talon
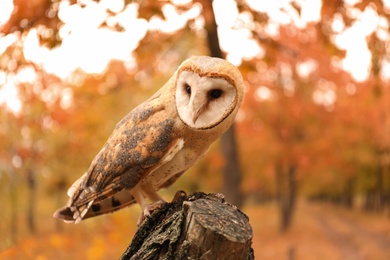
156	205
145	214
148	210
179	194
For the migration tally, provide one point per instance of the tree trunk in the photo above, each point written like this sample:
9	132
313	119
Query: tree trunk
13	199
232	170
374	196
31	184
348	194
60	188
387	192
286	192
379	187
198	226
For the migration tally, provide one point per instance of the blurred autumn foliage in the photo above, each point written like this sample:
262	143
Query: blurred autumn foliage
308	127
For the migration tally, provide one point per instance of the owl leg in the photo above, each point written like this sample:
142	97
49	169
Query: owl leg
151	193
139	197
157	200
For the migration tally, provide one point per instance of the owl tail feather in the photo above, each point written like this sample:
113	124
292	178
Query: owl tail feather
72	214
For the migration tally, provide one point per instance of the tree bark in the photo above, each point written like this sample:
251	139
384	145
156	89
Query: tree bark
232	170
198	226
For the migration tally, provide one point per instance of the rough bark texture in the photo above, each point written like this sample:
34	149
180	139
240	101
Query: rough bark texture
198	226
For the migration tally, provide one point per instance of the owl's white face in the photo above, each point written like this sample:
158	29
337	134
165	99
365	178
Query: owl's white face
203	102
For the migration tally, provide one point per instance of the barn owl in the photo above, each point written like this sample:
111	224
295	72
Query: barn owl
153	145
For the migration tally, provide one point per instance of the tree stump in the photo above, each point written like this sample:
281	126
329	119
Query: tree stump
198	226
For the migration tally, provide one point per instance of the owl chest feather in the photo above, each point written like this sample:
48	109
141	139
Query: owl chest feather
192	150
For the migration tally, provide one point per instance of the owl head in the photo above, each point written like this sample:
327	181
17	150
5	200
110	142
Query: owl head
208	91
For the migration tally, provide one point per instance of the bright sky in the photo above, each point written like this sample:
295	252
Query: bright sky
90	48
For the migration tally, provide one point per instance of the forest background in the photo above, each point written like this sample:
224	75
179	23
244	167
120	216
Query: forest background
314	128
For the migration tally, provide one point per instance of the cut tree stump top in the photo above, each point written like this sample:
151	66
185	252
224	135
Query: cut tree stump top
198	226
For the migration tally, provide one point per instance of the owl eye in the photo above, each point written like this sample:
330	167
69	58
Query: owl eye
187	88
215	93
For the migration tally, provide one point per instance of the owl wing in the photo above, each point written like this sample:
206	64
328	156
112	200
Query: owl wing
140	143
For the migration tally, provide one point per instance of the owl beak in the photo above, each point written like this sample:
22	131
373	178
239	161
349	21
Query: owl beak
198	105
198	110
195	115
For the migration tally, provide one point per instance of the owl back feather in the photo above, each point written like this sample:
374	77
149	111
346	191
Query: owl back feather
135	148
